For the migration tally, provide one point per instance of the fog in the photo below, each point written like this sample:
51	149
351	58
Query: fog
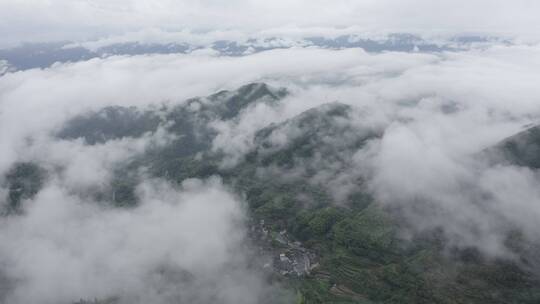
435	114
180	245
38	20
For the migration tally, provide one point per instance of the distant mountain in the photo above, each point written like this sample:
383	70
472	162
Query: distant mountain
43	55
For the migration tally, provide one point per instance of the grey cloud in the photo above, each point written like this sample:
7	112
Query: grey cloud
178	245
429	162
71	20
437	112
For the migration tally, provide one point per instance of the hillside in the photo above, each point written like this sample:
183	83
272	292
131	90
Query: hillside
351	244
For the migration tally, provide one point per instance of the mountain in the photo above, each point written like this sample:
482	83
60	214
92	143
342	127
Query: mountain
522	149
43	55
23	181
348	244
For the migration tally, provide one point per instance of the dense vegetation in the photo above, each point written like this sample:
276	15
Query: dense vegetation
362	257
23	181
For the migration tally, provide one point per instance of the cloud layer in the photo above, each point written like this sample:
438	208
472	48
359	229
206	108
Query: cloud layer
39	20
179	246
435	113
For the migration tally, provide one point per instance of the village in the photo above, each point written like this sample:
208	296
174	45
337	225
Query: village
287	257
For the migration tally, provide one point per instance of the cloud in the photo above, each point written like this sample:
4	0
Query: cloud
88	19
184	245
65	90
436	187
438	114
429	162
437	111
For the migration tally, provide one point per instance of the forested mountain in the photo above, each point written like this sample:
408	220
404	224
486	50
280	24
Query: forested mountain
349	245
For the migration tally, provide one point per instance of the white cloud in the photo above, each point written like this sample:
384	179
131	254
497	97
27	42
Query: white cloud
5	67
440	109
179	245
38	20
438	112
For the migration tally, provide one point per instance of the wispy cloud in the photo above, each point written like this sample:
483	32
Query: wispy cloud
75	20
435	114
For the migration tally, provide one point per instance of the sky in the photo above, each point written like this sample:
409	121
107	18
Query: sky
80	20
435	112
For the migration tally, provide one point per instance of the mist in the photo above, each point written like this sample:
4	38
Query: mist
430	118
180	245
87	20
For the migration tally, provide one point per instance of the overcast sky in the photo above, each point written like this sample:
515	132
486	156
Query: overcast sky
438	110
46	20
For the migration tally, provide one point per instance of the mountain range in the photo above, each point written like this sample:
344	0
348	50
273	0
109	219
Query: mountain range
288	175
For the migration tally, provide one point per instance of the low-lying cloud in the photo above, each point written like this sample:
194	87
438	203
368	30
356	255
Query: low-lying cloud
434	113
82	20
182	245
